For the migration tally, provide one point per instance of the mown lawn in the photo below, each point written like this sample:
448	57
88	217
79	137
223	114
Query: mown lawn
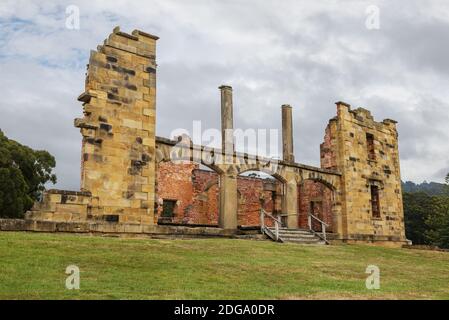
32	266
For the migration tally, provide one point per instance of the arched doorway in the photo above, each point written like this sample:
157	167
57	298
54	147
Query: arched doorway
258	190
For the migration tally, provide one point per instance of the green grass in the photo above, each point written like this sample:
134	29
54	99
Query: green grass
32	266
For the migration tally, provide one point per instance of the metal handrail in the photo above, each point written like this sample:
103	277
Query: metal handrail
323	227
277	222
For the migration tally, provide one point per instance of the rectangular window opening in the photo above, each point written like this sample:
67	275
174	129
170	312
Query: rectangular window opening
375	208
370	146
168	208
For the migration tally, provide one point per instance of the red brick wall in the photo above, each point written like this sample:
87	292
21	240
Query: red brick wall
251	196
205	201
174	182
322	197
197	194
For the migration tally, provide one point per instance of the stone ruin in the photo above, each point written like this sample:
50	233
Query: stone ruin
130	185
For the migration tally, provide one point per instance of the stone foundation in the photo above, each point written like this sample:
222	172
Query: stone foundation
125	229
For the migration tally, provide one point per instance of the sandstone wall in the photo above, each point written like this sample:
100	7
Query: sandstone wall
346	147
118	128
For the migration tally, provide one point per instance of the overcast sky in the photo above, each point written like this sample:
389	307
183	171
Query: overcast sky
303	53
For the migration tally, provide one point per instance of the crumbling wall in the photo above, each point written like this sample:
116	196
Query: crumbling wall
118	128
196	193
118	137
366	153
329	147
61	205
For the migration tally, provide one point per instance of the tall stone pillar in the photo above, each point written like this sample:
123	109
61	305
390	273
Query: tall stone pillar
228	179
287	134
227	121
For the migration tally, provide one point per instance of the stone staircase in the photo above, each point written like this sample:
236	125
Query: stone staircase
301	236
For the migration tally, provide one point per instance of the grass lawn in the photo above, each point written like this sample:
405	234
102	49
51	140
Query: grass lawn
32	266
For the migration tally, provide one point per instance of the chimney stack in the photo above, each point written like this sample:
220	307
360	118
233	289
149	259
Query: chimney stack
287	134
227	120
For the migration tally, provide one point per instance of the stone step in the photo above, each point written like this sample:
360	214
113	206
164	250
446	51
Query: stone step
297	229
293	231
318	243
300	236
314	239
293	236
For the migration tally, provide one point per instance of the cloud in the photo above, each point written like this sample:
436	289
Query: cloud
307	54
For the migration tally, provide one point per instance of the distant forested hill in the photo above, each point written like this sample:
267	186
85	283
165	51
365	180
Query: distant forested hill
431	188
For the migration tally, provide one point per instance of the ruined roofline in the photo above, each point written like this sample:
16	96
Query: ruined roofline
359	111
134	34
138	42
144	34
243	155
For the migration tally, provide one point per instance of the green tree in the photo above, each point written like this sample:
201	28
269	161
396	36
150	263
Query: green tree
23	175
438	222
417	208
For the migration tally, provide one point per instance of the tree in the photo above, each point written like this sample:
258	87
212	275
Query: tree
438	222
23	175
417	208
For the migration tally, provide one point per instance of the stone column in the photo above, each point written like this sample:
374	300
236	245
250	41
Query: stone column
228	202
290	201
337	215
287	134
228	179
227	120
